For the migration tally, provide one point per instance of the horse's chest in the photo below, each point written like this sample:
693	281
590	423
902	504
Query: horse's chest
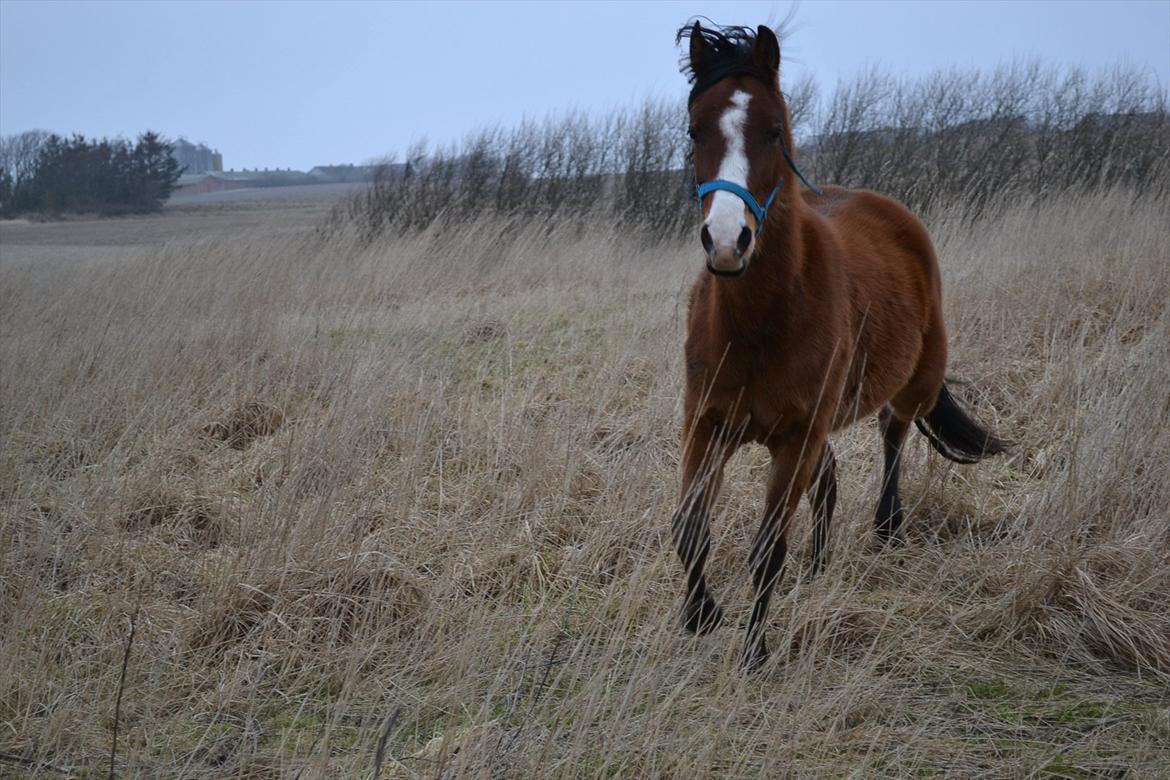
746	388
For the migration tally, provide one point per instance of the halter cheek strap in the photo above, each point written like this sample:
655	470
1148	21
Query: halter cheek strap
761	212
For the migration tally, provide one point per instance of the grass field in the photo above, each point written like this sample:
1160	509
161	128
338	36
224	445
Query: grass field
417	494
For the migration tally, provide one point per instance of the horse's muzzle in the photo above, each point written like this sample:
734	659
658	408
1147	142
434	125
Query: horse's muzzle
727	261
727	274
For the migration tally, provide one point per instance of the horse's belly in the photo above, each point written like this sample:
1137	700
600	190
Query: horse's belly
877	376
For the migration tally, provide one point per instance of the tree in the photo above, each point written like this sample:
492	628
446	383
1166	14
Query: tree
18	153
106	176
159	170
5	189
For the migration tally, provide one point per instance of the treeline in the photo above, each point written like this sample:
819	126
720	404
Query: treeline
44	173
965	137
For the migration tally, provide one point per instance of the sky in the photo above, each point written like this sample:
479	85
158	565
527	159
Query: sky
296	84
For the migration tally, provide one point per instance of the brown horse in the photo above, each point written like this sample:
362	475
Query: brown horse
816	309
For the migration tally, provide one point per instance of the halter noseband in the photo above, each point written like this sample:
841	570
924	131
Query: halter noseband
749	200
742	193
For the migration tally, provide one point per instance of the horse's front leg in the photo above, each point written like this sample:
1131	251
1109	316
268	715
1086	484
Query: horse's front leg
704	455
793	466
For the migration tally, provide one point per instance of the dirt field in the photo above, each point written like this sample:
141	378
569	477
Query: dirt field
46	245
411	501
291	195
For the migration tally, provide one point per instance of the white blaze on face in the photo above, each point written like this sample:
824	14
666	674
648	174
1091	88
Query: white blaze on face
726	218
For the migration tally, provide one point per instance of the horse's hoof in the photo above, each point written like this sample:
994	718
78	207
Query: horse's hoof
888	540
702	617
755	656
887	527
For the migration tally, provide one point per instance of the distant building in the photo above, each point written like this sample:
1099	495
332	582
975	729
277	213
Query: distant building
217	181
204	173
344	173
197	183
196	158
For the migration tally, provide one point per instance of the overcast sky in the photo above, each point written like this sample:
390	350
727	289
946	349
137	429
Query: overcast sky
274	84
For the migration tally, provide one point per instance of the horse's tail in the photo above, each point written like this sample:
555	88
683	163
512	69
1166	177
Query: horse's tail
955	435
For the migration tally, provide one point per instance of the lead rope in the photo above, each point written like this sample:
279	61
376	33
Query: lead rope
799	175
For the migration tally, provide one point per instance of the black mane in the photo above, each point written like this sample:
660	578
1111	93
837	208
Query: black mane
729	53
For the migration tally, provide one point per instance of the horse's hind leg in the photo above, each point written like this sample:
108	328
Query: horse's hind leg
703	460
823	497
889	513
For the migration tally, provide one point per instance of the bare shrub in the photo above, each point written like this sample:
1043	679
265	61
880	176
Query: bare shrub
973	137
951	137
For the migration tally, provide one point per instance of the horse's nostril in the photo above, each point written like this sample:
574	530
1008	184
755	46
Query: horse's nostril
745	240
705	237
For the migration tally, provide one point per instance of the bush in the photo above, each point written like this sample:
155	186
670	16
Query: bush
81	176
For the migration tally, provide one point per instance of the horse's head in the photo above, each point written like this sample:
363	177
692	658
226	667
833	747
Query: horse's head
739	126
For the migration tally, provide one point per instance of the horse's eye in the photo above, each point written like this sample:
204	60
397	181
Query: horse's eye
776	136
692	134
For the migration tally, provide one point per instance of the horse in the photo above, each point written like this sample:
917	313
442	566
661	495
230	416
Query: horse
817	308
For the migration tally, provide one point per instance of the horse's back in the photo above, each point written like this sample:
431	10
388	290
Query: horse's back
895	289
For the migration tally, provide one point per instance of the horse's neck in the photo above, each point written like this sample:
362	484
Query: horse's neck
769	294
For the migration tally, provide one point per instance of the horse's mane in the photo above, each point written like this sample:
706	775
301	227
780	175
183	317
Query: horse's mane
729	53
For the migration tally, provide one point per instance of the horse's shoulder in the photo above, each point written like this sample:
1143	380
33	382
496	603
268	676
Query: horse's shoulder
844	203
829	201
871	217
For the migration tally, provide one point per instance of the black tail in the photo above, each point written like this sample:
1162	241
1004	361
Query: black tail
955	435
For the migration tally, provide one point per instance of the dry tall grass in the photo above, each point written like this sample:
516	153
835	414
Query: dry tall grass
421	491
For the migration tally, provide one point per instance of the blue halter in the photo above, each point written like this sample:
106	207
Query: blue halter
749	200
742	193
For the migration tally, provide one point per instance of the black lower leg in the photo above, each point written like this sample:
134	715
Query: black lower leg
767	569
888	522
823	498
693	540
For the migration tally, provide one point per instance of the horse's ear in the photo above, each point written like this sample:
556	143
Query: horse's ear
766	52
698	46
